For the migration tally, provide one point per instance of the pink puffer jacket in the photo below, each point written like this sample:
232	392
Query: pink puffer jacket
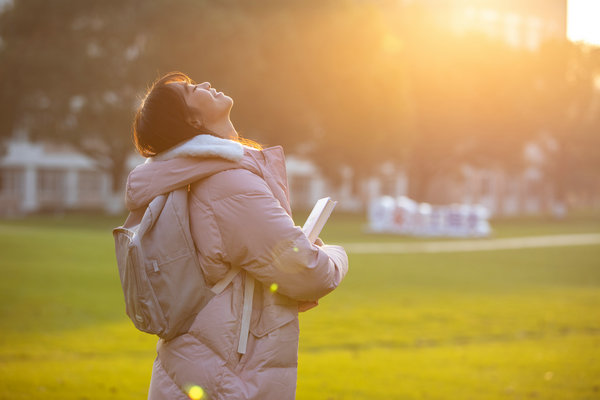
239	217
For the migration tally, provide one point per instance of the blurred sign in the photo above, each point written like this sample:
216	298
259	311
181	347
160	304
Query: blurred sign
405	216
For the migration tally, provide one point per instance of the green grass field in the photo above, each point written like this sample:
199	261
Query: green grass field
518	324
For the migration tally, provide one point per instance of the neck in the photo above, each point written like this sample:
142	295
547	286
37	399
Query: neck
223	128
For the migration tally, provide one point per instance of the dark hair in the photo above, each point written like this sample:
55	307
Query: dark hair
161	121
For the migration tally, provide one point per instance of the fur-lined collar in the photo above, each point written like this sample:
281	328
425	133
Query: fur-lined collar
203	146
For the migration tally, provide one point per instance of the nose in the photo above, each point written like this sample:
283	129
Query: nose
205	85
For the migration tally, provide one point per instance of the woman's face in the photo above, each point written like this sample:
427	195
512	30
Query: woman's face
206	106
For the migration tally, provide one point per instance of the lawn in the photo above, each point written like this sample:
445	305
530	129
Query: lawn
518	324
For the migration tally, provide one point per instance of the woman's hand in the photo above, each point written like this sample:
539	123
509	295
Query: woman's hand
308	305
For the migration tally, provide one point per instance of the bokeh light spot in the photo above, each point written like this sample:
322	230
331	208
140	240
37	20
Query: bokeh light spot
273	288
296	249
196	392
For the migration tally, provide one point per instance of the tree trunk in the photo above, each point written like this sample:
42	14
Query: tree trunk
115	203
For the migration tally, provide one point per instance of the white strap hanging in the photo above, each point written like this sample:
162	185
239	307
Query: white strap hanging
246	313
247	307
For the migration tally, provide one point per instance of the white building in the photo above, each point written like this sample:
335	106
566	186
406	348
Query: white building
502	193
37	177
40	177
307	185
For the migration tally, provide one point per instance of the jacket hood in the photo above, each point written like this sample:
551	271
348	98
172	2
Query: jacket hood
195	159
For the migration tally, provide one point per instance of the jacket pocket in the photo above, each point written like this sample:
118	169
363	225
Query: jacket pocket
274	316
275	337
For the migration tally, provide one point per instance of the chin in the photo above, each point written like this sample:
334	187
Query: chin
229	102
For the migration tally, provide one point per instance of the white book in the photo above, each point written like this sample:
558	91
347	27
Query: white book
318	217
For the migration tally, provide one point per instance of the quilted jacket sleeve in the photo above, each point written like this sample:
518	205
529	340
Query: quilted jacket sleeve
259	236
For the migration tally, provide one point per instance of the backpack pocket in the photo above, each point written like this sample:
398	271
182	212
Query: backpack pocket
141	304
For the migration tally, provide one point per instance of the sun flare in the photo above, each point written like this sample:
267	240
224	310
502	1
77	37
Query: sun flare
582	21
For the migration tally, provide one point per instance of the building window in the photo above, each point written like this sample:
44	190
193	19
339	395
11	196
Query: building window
51	185
89	183
11	182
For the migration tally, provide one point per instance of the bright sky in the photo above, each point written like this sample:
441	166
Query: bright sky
583	21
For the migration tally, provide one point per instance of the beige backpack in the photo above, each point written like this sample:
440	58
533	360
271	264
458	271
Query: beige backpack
163	284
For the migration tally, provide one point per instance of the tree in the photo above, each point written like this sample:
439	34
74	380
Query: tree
75	71
472	98
569	116
357	94
301	72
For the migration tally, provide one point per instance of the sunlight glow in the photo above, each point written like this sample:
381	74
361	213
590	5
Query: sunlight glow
582	21
391	44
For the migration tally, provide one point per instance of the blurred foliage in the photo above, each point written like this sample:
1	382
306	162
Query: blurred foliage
346	83
75	71
569	118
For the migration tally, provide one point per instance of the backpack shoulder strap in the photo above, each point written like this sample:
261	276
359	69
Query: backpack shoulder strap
222	284
151	214
247	307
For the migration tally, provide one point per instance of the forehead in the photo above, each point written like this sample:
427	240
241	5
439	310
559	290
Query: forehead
180	86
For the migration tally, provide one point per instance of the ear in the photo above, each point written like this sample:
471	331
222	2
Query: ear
195	123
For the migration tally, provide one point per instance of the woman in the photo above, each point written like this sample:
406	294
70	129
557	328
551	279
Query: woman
243	344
